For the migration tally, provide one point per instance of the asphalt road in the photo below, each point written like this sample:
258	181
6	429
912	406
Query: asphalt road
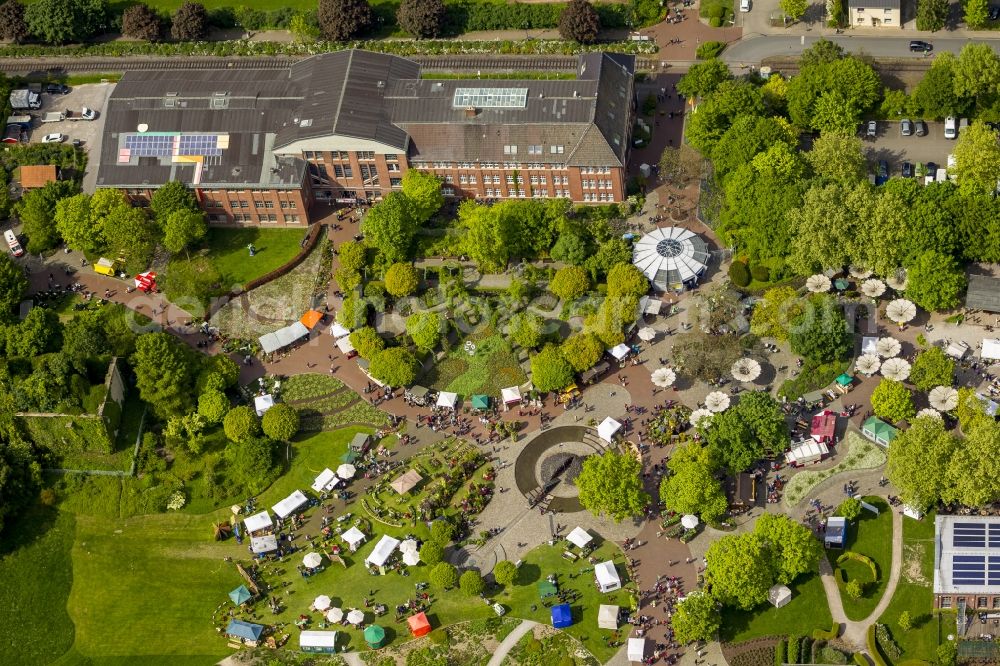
891	146
754	48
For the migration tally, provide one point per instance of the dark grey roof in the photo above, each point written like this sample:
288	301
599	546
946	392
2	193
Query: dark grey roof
873	4
983	293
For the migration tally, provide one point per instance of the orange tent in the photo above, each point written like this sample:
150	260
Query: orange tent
311	318
419	626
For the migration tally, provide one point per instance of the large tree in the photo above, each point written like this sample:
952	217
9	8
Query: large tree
732	441
189	22
62	21
280	422
704	78
182	228
340	20
424	328
821	333
931	368
401	279
12	24
932	14
747	137
164	371
141	22
367	342
37	208
550	371
794	9
611	484
395	367
13	286
935	94
424	19
891	400
738	570
424	192
919	460
773	315
849	87
241	423
838	159
977	160
526	329
763	415
703	356
974	471
129	234
579	22
171	196
935	281
794	550
696	618
582	350
977	70
390	226
569	282
627	281
692	486
977	13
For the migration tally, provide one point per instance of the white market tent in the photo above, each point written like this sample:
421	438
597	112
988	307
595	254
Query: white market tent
636	649
339	331
620	351
344	345
326	481
510	395
411	558
383	550
258	521
808	451
262	403
991	349
779	595
608	428
318	641
671	257
957	349
579	537
283	337
650	306
263	544
447	399
290	504
607	577
607	617
353	538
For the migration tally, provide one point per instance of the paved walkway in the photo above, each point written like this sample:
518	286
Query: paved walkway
512	638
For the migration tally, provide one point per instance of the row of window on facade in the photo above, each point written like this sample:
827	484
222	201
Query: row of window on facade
263	218
504	165
534	149
981	602
340	155
243	203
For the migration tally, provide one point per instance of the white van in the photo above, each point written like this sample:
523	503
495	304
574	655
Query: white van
950	127
15	247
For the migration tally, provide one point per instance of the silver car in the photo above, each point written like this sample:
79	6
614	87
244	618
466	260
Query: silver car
905	127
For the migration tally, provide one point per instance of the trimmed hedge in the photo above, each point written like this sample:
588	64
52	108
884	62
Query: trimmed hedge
761	273
829	635
793	649
859	659
710	50
312	239
739	274
872	645
781	653
863	559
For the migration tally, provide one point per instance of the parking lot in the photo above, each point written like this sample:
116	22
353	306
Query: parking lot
894	148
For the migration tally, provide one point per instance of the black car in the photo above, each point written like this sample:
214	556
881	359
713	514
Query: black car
932	168
883	169
920	128
994	12
907	170
57	89
920	46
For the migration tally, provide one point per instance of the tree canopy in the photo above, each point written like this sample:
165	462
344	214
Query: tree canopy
141	22
13	287
692	486
931	368
424	328
582	351
611	484
919	462
395	367
241	423
526	329
165	372
280	422
579	22
62	21
696	618
189	22
569	282
892	401
737	570
401	279
550	371
423	19
977	160
390	225
423	190
341	20
821	333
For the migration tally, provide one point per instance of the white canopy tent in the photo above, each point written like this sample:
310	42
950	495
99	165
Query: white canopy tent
258	521
447	399
579	537
321	641
290	504
322	602
637	649
262	403
608	428
806	452
312	560
663	377
689	521
671	257
263	544
929	412
991	349
283	337
325	482
356	616
339	331
411	558
650	306
646	333
335	615
510	395
868	364
888	347
717	401
620	351
344	345
943	398
409	546
779	595
607	577
957	349
353	538
818	284
896	368
385	547
607	617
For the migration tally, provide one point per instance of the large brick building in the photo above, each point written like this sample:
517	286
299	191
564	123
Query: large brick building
967	563
263	146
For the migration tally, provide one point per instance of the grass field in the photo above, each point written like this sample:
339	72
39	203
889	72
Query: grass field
806	611
227	249
872	536
913	594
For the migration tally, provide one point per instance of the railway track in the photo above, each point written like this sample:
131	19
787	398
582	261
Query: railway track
469	63
790	65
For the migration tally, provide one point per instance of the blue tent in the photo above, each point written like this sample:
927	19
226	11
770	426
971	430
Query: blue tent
240	595
247	631
561	616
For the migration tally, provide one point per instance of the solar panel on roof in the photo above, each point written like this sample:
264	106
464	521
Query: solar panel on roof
968	535
968	569
490	98
165	145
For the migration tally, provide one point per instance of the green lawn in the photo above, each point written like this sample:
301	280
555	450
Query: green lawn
807	611
227	249
913	594
872	536
37	575
492	367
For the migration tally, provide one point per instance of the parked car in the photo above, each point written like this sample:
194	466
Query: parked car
77	143
88	114
950	127
872	130
907	170
905	127
920	46
54	138
994	12
932	168
13	243
883	169
744	5
57	89
920	128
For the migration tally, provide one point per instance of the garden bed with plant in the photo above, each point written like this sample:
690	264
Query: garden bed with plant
861	454
492	367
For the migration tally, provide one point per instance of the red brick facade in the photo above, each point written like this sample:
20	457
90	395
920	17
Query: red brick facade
245	207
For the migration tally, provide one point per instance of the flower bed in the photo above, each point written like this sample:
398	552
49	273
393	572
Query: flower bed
862	454
303	387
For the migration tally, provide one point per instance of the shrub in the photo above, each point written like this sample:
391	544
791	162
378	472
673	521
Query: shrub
710	50
761	273
716	11
739	274
855	590
793	649
885	641
715	22
822	635
781	653
873	649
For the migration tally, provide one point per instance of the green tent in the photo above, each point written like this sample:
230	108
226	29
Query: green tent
845	379
374	635
841	284
240	595
547	589
480	402
349	457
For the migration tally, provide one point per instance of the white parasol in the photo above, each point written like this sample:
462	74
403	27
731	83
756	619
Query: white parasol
411	558
335	615
646	333
898	279
312	560
928	411
896	368
873	288
346	471
717	401
818	283
236	508
867	364
664	377
859	272
746	370
700	417
355	617
322	602
887	347
901	311
689	521
943	398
